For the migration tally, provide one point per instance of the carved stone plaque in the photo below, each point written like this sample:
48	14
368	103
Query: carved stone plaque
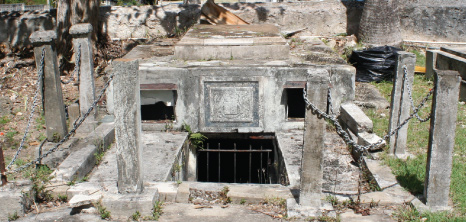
231	103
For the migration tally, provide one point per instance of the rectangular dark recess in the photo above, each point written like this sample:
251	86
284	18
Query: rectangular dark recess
159	112
240	158
295	104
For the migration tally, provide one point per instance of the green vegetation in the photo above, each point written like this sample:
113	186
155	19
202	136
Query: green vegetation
136	216
63	198
195	139
27	2
156	211
410	173
104	213
13	216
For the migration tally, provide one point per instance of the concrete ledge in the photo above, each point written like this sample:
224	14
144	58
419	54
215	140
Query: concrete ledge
54	159
77	165
381	174
124	205
11	203
209	52
354	118
366	139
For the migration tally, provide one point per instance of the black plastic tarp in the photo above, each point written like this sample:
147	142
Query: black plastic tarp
374	64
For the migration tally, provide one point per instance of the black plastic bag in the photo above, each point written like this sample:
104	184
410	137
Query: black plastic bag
374	64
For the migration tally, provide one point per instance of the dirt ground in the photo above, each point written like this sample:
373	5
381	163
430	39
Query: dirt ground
18	85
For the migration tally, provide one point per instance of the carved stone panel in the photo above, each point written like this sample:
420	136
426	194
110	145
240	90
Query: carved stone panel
231	104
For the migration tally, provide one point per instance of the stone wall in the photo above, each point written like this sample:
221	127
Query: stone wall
16	27
431	20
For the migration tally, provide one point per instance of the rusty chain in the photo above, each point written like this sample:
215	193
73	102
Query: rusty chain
345	135
40	74
70	133
77	67
408	87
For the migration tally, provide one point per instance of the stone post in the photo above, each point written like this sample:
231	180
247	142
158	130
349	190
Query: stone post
314	130
54	108
400	104
431	60
441	139
81	34
128	126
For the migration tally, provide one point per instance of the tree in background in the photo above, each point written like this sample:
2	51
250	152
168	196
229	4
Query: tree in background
71	12
380	23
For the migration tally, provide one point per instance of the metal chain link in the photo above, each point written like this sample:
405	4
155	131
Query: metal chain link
77	67
345	135
463	81
40	74
408	87
70	133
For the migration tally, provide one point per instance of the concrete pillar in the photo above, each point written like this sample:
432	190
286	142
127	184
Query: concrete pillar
400	104
82	44
441	139
431	60
54	108
128	126
314	129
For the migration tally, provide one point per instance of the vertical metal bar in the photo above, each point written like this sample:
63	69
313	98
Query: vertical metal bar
2	167
267	169
234	164
219	163
208	144
260	174
250	169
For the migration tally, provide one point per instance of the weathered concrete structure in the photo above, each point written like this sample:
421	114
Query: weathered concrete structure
400	103
448	58
441	140
54	108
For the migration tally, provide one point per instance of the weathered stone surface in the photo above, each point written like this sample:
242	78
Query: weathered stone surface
431	61
381	173
81	29
441	139
11	203
400	104
125	205
82	45
447	61
54	108
43	37
82	200
54	159
355	119
313	148
77	165
366	139
395	195
128	126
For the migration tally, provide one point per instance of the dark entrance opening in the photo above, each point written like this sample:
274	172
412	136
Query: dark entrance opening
241	158
296	107
157	112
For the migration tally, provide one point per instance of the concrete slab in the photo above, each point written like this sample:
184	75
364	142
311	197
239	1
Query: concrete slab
382	174
188	212
366	139
394	195
159	152
350	216
355	119
369	97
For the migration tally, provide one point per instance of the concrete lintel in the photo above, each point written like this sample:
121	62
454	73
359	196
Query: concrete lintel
43	37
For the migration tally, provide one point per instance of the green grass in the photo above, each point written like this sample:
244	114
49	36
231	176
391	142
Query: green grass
411	172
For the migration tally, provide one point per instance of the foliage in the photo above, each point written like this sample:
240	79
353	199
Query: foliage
13	216
40	179
63	197
195	139
156	211
136	216
104	213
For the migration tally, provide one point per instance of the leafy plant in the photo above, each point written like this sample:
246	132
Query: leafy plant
156	211
195	139
136	216
63	197
13	216
104	213
40	179
242	201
